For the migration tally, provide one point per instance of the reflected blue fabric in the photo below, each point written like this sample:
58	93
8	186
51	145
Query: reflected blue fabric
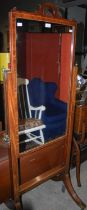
55	115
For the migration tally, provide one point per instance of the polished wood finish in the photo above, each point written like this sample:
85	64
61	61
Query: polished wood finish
80	119
52	158
69	187
80	129
55	12
76	152
4	171
2	111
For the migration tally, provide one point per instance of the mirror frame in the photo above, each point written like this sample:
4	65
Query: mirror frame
52	158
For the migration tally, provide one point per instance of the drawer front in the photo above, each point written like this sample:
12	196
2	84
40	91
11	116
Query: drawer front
42	160
4	181
80	118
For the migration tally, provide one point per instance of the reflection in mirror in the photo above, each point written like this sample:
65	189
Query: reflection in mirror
43	70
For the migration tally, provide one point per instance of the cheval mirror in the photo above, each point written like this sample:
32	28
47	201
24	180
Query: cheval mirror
40	96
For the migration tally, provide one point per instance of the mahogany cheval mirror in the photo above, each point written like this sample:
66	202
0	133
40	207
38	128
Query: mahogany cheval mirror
42	50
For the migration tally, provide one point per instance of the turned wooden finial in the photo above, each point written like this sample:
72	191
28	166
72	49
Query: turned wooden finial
49	9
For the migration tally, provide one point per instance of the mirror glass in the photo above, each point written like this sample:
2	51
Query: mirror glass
43	74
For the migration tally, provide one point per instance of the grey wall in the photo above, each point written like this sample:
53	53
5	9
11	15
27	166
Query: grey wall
78	14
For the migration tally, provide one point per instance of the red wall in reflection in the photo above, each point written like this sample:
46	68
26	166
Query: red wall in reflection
42	56
39	55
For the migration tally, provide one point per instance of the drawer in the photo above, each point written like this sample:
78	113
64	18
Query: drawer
43	160
80	118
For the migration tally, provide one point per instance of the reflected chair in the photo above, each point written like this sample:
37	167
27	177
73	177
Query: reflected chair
30	123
